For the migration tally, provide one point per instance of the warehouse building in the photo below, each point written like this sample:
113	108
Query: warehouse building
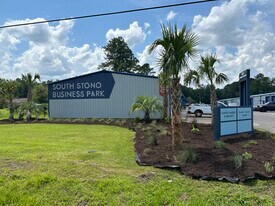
102	94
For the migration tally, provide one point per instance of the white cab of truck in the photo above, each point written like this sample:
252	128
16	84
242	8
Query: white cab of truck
202	109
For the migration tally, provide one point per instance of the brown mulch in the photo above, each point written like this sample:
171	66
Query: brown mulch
212	163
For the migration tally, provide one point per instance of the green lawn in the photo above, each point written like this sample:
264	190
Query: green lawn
48	164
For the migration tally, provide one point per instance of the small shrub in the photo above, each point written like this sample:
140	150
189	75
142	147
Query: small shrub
152	140
194	129
219	144
238	160
268	167
147	151
108	121
100	120
137	119
189	155
273	159
195	122
268	134
250	143
247	156
153	123
163	132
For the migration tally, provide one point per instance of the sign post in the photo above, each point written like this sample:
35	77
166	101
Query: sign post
244	80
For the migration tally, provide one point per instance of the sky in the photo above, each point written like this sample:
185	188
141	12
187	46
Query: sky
240	32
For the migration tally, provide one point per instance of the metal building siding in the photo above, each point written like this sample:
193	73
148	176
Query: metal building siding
126	89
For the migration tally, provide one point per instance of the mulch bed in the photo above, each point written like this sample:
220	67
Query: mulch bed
212	163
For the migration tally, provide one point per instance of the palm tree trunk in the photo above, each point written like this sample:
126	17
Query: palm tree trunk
11	109
29	95
165	104
213	100
177	135
147	116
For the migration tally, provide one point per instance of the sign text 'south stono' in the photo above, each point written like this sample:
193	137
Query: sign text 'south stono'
78	90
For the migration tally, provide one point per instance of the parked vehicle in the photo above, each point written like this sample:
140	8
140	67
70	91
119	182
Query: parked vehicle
202	109
269	106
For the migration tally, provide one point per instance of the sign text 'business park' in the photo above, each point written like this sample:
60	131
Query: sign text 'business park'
85	87
232	120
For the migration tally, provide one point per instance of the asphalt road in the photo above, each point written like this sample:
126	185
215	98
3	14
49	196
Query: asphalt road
262	120
265	120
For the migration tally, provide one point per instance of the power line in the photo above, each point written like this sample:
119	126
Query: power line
106	14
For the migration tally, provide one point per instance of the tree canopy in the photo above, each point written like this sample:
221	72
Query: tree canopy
119	57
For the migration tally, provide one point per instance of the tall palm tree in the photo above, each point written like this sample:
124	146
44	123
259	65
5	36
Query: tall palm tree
207	72
178	47
164	82
148	105
30	81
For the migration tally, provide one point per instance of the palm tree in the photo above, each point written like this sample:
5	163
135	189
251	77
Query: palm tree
178	47
164	82
30	82
207	72
148	105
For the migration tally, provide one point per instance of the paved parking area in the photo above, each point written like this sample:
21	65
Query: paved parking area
262	120
265	120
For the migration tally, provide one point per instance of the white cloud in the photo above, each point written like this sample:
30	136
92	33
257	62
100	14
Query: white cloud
170	16
41	33
242	37
132	36
47	54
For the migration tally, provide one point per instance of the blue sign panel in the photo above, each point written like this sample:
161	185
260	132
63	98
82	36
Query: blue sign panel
94	86
244	126
228	128
244	113
228	114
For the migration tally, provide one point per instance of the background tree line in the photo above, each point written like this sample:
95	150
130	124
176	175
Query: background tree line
259	84
24	87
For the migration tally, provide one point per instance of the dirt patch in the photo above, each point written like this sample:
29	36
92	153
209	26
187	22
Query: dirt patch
241	157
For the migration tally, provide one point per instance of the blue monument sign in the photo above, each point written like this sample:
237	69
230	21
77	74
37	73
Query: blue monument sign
96	86
235	120
232	120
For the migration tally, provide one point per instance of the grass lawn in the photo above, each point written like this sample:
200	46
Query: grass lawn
50	164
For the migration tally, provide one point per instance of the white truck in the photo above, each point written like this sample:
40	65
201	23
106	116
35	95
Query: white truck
202	109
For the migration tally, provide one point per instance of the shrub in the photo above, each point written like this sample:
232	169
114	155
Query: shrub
250	143
219	144
152	140
189	155
195	122
148	105
194	129
238	160
268	167
137	119
147	151
273	159
247	156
